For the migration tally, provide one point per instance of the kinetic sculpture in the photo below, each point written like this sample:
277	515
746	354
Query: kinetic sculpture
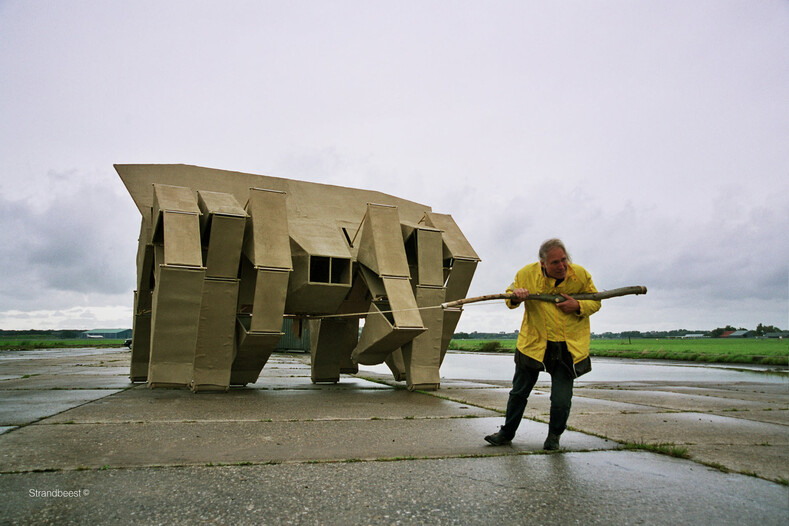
224	257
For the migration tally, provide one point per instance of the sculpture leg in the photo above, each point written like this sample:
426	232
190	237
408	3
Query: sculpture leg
423	356
396	363
258	334
141	345
141	331
215	350
460	262
265	270
177	295
223	222
393	319
176	311
336	339
459	280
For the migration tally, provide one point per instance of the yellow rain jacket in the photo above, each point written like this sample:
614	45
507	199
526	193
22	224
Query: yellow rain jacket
544	321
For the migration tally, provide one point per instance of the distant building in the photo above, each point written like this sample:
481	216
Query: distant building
739	334
109	334
781	334
695	335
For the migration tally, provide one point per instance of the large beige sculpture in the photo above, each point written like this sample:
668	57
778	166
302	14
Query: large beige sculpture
224	256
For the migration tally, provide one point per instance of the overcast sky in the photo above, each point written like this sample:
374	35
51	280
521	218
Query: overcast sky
652	136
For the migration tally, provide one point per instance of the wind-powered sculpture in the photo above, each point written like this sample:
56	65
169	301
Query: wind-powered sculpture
224	256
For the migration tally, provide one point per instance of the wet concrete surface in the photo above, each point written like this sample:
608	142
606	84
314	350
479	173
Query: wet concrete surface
83	448
141	404
611	487
21	407
200	443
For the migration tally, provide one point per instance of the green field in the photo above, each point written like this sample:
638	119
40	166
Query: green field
26	344
713	350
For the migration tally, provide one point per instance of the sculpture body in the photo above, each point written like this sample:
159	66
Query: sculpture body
224	256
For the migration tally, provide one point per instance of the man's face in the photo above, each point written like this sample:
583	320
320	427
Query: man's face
555	263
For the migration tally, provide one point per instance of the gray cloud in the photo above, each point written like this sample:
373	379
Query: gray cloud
65	243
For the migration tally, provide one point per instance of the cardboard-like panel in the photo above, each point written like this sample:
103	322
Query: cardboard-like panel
182	239
365	241
374	283
158	257
300	260
305	199
271	290
246	293
460	278
145	261
167	198
380	338
141	347
318	236
430	257
396	363
224	246
402	302
455	243
252	352
315	298
219	203
145	267
215	348
177	198
266	241
423	356
337	337
175	317
358	298
381	245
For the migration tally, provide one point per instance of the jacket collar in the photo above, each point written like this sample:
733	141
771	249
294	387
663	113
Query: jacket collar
571	276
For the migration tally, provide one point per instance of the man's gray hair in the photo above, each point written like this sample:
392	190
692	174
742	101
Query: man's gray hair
549	245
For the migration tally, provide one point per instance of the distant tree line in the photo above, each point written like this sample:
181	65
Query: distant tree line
485	335
761	330
61	334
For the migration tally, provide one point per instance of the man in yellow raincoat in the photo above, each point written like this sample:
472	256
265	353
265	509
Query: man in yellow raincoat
554	337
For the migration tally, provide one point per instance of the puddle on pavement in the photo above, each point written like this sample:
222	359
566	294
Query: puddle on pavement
459	366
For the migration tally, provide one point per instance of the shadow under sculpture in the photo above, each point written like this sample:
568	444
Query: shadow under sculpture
216	278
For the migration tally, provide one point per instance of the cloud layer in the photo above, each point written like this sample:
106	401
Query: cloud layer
650	136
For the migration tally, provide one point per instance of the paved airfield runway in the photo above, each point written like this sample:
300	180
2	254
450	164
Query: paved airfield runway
80	444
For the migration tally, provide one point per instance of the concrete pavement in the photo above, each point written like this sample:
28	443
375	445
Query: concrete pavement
79	444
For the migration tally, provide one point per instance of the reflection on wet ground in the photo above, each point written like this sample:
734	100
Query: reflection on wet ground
477	366
42	354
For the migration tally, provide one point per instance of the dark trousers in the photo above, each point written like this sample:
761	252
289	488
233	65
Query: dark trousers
522	384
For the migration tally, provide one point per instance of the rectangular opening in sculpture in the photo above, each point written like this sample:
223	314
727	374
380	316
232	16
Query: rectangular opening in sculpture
320	269
341	271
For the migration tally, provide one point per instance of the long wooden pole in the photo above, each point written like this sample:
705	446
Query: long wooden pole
553	298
